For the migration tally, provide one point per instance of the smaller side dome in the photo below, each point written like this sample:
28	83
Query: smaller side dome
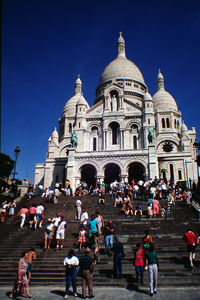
82	101
147	97
54	137
70	106
54	133
184	127
162	99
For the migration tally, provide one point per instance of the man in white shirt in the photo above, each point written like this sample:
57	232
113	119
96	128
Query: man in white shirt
136	190
164	190
60	234
70	262
153	191
84	218
39	215
56	220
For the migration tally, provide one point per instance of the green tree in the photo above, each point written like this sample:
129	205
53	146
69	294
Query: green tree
6	165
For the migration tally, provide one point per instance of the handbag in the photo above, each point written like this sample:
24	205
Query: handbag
20	287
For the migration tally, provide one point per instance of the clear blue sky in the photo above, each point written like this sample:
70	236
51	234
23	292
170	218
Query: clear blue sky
46	43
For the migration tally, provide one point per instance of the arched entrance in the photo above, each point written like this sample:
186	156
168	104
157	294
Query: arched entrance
112	172
136	171
88	174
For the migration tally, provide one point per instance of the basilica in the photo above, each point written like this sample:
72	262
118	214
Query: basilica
127	134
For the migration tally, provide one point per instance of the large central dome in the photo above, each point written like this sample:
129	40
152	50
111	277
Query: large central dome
121	67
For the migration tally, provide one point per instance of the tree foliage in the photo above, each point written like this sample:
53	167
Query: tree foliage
6	165
198	160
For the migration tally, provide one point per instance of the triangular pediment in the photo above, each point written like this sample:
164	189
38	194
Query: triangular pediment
96	109
130	106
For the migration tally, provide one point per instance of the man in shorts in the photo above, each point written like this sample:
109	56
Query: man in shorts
84	218
31	257
39	215
60	234
190	239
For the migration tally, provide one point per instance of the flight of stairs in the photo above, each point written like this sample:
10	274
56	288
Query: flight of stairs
48	268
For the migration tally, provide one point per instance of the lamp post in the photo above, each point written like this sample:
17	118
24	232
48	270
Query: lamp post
16	152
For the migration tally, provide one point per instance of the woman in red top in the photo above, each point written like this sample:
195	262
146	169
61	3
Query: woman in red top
139	262
190	239
22	213
32	212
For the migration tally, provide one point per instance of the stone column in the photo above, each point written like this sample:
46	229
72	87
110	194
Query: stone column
70	168
48	175
100	178
106	103
145	131
123	178
171	120
105	134
77	180
120	103
121	138
153	162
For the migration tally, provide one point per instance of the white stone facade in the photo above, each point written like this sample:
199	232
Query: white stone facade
126	134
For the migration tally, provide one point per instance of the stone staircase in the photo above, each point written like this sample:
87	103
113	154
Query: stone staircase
48	268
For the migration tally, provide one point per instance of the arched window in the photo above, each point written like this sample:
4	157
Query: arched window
70	127
163	123
168	123
171	169
114	126
149	122
94	129
79	125
178	124
179	174
134	142
94	144
164	175
175	123
134	126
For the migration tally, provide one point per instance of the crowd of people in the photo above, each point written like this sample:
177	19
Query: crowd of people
93	231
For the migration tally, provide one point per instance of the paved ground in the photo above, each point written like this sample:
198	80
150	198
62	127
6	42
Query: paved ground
108	293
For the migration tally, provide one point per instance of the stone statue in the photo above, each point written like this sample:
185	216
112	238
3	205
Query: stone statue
150	135
114	103
74	139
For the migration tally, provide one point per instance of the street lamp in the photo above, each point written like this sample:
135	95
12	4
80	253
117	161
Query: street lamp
16	152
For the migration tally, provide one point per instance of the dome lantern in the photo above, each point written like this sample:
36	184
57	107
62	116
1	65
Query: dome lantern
121	46
78	85
160	80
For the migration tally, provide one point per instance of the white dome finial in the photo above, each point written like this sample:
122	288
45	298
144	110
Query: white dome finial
121	46
78	85
160	80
